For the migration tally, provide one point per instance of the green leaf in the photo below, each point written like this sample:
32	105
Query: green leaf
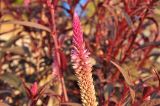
19	1
90	9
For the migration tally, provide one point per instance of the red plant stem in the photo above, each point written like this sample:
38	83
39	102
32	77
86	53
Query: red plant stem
117	73
132	40
54	35
134	36
145	56
57	55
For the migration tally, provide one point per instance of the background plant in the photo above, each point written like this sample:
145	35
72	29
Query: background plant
121	35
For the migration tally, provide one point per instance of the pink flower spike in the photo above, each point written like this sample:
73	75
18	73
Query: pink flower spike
77	31
34	89
82	65
78	43
26	2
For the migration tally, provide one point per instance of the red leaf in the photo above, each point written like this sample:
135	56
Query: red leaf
63	60
34	89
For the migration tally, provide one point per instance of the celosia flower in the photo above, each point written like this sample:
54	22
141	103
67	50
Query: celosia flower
82	66
26	2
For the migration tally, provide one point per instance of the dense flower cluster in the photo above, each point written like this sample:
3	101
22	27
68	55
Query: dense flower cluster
82	66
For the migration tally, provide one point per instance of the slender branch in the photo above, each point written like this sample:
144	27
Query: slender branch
57	55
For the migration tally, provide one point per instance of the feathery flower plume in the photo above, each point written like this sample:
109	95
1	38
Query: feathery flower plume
26	3
82	66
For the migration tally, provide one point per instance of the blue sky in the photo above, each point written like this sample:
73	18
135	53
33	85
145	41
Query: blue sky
78	8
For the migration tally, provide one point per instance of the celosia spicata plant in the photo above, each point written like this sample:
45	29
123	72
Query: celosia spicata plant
34	92
82	65
121	35
26	2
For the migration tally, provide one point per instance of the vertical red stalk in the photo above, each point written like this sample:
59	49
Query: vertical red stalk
56	44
